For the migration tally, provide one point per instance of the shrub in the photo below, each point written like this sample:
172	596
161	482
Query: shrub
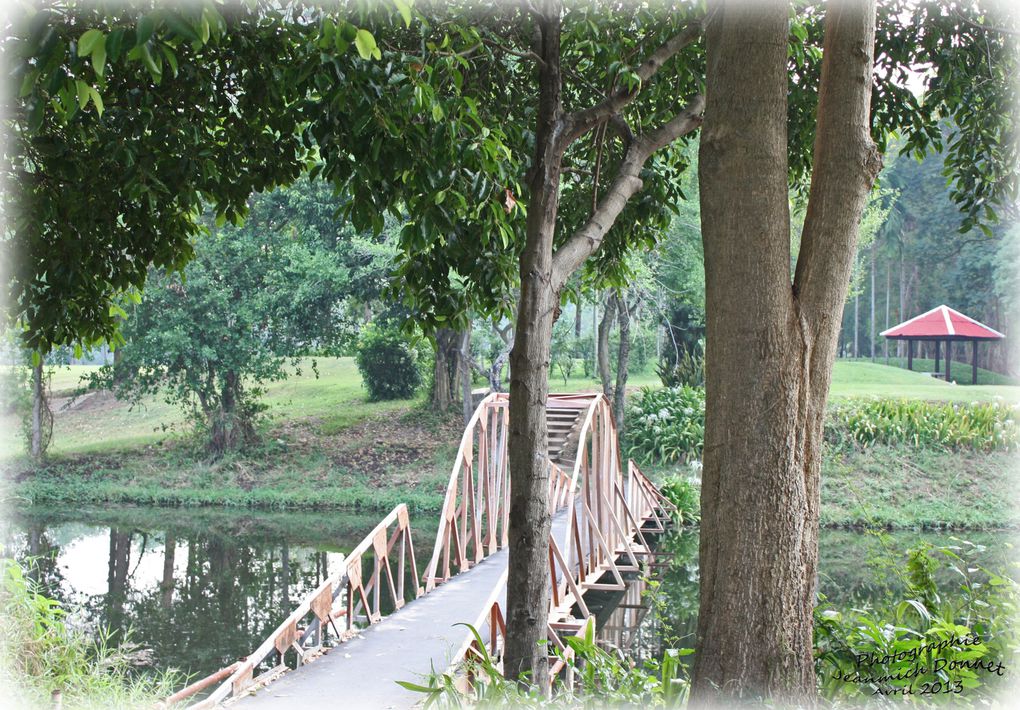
687	370
40	654
602	678
930	649
388	364
666	425
981	426
685	494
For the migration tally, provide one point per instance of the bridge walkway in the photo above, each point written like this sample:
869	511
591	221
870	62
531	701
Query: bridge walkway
363	672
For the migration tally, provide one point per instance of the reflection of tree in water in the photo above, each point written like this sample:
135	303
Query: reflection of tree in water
231	595
214	595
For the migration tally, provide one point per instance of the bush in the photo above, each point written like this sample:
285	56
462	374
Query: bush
666	425
40	654
685	494
981	426
935	651
388	364
686	371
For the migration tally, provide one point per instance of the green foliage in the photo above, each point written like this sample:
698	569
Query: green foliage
94	84
666	424
40	653
16	394
688	370
388	363
601	678
930	649
253	297
685	494
984	426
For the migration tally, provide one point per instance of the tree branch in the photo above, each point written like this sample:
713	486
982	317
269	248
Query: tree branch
845	161
587	239
580	122
522	55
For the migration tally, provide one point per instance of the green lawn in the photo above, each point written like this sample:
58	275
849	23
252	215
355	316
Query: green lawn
868	379
336	399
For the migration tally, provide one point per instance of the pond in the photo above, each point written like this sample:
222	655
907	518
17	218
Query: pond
202	587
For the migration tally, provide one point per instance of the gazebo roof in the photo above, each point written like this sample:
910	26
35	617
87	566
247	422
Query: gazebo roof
942	323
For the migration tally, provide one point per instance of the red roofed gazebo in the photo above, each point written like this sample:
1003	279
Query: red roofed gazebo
942	323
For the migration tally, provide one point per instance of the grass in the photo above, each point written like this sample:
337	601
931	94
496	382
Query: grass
902	487
326	445
868	379
335	400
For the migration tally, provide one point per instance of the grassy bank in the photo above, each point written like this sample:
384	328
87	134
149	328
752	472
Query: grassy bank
325	445
401	456
900	487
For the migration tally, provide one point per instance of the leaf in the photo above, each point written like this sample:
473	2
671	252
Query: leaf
88	42
83	93
182	27
152	64
99	57
365	43
143	31
35	114
415	687
97	100
405	11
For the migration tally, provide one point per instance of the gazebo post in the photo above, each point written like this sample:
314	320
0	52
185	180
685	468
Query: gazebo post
938	348
973	378
910	353
949	359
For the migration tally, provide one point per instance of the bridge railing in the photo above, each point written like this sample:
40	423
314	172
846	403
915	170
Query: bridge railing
608	517
603	528
351	595
475	515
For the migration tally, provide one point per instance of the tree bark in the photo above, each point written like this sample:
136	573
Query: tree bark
771	343
442	396
857	321
543	275
602	357
464	355
36	448
528	573
622	361
888	288
871	320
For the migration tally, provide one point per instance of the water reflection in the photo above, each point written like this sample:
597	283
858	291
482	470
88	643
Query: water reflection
202	587
198	587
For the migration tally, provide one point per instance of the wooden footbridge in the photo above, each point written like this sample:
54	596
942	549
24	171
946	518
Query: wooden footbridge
376	620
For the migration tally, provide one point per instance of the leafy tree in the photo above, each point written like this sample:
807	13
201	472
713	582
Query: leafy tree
253	299
149	112
527	143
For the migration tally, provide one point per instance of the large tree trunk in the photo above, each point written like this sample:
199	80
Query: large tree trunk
771	343
442	397
528	575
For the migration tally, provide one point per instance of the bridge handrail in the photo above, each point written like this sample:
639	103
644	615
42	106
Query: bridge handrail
448	514
320	601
